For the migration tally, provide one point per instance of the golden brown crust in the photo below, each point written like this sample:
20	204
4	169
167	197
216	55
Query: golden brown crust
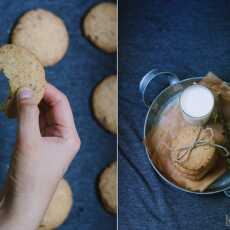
59	207
200	156
22	69
108	187
196	175
100	26
44	34
104	102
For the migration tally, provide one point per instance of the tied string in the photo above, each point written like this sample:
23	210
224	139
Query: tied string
184	152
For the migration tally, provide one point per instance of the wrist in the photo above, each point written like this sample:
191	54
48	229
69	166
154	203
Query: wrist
18	214
8	221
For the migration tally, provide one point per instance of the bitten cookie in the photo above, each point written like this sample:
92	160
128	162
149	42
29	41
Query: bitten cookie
108	187
59	207
22	69
44	34
100	26
104	102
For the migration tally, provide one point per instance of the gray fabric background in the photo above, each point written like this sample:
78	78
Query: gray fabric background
76	75
189	38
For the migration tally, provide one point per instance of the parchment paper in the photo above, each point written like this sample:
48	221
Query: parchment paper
172	122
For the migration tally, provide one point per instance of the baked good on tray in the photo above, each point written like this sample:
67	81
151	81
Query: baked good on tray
174	148
196	163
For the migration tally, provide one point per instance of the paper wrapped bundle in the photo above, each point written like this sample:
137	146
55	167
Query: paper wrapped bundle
191	156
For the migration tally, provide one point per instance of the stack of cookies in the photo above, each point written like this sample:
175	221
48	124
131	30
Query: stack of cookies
193	163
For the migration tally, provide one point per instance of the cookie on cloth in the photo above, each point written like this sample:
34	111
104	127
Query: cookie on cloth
44	34
108	187
104	102
22	69
100	26
201	159
59	207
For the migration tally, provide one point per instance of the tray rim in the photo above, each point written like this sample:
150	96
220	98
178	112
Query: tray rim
225	189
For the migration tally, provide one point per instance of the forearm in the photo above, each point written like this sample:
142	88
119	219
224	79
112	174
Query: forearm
10	221
14	217
21	210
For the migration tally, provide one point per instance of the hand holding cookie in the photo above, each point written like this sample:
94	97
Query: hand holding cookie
41	138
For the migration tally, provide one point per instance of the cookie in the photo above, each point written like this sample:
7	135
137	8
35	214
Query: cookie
100	26
104	102
44	34
108	187
22	69
59	207
201	159
197	175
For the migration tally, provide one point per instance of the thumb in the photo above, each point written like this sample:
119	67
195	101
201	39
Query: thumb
28	113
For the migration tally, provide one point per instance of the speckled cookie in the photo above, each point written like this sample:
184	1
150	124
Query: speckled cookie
108	187
201	158
22	69
44	34
104	102
59	207
100	26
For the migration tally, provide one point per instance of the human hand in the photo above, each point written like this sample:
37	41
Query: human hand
47	142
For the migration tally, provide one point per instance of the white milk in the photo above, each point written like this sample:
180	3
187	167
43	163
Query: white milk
197	103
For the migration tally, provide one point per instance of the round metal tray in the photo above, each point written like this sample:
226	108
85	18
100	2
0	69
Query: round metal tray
175	86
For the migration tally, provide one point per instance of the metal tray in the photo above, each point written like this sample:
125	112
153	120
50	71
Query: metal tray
174	88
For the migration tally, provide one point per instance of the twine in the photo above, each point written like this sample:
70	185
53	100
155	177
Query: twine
184	152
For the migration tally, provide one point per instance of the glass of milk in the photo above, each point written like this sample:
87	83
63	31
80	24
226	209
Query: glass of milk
197	103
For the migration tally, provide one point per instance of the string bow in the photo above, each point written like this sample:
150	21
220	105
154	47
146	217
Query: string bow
184	153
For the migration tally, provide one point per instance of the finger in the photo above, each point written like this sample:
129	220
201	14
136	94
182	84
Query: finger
60	106
28	113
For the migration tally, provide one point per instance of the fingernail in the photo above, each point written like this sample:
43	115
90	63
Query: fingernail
25	93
